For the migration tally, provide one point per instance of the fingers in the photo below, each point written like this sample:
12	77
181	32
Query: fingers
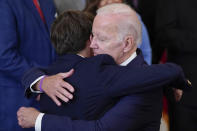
62	94
20	116
67	86
57	102
62	97
55	87
20	122
20	111
65	93
178	94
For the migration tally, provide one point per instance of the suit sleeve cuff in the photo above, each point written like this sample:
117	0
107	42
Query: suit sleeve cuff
32	84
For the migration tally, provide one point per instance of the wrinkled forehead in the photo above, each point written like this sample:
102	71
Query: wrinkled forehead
104	23
114	18
105	29
111	22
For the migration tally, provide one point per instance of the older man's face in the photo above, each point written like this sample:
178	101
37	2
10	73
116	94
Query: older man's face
105	38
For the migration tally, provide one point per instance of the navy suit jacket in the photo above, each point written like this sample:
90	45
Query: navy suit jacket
99	82
24	43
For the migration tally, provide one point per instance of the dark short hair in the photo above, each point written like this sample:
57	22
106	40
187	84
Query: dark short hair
70	31
92	6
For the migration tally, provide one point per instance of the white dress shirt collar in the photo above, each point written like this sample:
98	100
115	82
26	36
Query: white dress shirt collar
80	55
126	62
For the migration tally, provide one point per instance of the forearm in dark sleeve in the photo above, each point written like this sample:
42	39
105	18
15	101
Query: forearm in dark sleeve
29	77
63	123
140	79
123	116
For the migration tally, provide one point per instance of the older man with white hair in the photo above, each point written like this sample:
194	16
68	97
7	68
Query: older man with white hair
116	31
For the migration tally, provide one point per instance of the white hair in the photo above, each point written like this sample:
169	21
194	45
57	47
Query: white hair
128	24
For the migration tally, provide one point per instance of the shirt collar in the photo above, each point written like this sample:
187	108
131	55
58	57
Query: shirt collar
80	55
126	62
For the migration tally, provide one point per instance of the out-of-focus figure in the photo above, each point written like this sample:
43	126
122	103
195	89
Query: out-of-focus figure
24	43
176	31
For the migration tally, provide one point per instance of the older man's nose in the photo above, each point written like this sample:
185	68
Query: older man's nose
93	44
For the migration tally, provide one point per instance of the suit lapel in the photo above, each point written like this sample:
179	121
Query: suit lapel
34	11
49	10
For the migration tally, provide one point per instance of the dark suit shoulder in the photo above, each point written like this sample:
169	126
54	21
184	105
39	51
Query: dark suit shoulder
64	63
102	59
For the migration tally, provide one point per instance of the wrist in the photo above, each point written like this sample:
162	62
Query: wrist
40	84
36	86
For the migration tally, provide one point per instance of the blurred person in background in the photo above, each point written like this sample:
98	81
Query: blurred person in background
63	5
147	10
176	31
24	43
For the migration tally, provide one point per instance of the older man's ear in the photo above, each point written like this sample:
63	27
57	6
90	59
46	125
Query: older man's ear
130	44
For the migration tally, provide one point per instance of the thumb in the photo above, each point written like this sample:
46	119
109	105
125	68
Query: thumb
67	74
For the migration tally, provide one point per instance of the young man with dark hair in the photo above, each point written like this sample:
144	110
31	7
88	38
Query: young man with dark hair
71	31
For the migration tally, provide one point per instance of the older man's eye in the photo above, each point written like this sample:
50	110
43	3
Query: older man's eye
102	39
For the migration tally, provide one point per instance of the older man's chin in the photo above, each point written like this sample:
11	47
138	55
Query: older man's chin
95	53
